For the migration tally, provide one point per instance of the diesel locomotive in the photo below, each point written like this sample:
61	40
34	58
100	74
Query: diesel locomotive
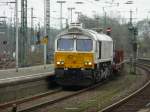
82	57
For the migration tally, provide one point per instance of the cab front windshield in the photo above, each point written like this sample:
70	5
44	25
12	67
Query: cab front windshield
70	44
84	45
65	44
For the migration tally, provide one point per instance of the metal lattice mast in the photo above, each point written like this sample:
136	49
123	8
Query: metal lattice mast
46	26
46	16
23	37
32	31
61	3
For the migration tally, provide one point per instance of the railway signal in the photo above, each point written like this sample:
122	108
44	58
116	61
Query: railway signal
108	31
44	40
38	36
5	42
135	31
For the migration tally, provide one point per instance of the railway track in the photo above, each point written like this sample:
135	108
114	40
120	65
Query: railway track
37	102
9	105
136	101
40	101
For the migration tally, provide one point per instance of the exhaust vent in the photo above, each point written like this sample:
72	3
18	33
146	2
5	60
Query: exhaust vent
78	25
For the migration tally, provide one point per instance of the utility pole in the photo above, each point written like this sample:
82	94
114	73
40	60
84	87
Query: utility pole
78	15
78	12
71	9
23	40
131	17
133	34
46	27
135	47
104	12
67	23
61	2
130	35
16	17
31	41
97	21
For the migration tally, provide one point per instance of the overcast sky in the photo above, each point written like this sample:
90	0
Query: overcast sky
89	8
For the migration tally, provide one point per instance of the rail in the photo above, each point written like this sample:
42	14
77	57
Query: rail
132	99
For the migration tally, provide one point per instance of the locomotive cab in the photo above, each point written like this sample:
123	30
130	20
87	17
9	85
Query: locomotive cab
78	53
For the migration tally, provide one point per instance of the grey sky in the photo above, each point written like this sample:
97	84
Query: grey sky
89	8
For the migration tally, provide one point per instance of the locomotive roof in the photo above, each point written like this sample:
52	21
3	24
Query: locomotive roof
100	36
90	33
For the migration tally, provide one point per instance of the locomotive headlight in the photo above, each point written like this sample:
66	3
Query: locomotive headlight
87	63
90	63
62	62
58	62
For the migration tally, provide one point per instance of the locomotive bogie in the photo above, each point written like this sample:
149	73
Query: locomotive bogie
74	77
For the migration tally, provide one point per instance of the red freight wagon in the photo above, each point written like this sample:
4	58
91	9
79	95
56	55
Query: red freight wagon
118	60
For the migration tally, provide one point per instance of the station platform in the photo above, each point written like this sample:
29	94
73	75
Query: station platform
9	75
26	82
144	110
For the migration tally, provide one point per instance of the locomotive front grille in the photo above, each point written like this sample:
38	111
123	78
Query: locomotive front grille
73	60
